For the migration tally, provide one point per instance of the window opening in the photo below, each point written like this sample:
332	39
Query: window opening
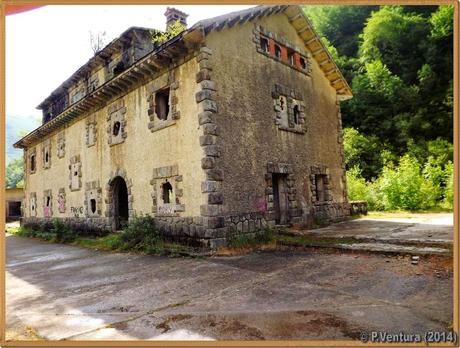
167	193
303	63
162	104
264	44
277	51
116	128
93	205
32	163
296	114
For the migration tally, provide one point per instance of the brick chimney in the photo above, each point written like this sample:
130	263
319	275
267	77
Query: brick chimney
173	14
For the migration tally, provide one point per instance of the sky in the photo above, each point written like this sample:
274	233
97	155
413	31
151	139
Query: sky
45	46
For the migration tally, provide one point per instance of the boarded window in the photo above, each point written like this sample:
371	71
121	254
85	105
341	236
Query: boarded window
162	104
320	187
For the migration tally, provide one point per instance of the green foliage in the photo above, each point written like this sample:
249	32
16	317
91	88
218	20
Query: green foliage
448	201
141	234
397	38
159	36
442	24
62	232
406	188
340	24
400	71
263	236
361	190
362	152
15	173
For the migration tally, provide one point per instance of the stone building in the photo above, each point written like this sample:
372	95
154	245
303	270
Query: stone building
230	126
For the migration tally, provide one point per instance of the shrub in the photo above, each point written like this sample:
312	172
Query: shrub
448	201
140	234
405	187
62	232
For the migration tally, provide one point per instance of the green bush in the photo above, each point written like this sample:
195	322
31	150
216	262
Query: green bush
448	201
406	188
141	234
62	232
361	190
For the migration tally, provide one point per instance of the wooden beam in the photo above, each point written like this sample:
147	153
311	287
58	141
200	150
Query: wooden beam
293	18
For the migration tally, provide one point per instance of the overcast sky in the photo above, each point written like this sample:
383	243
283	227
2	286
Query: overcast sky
45	46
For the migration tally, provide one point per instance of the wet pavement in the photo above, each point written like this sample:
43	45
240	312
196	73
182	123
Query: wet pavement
66	292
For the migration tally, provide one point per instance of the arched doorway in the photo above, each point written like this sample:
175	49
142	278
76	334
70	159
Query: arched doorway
120	202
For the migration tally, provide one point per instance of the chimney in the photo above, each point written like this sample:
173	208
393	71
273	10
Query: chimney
173	14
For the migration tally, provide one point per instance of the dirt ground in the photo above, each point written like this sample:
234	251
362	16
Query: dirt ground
64	292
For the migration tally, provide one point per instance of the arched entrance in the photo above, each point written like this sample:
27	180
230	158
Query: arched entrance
120	202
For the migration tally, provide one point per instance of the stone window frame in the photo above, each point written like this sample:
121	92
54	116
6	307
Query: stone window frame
32	153
60	148
61	207
161	83
33	196
116	112
281	168
46	194
323	171
160	176
75	160
285	46
91	124
93	190
293	98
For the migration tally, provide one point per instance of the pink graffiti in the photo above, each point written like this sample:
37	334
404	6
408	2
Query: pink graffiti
47	211
261	205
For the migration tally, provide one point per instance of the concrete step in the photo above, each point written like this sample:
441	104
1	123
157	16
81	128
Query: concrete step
396	248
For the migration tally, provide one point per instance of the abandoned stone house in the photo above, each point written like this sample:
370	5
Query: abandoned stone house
230	126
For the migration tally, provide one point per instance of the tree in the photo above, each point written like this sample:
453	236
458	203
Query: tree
398	39
15	173
159	36
97	40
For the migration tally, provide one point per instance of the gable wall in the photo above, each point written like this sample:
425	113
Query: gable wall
248	134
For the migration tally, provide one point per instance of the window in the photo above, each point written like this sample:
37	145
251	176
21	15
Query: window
320	187
116	128
119	68
32	163
47	157
296	113
303	63
162	104
291	57
277	51
264	44
93	205
283	103
167	193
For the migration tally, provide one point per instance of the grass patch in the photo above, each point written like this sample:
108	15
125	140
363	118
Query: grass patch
139	235
265	236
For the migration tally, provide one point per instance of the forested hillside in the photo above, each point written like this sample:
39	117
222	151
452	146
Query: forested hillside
398	127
